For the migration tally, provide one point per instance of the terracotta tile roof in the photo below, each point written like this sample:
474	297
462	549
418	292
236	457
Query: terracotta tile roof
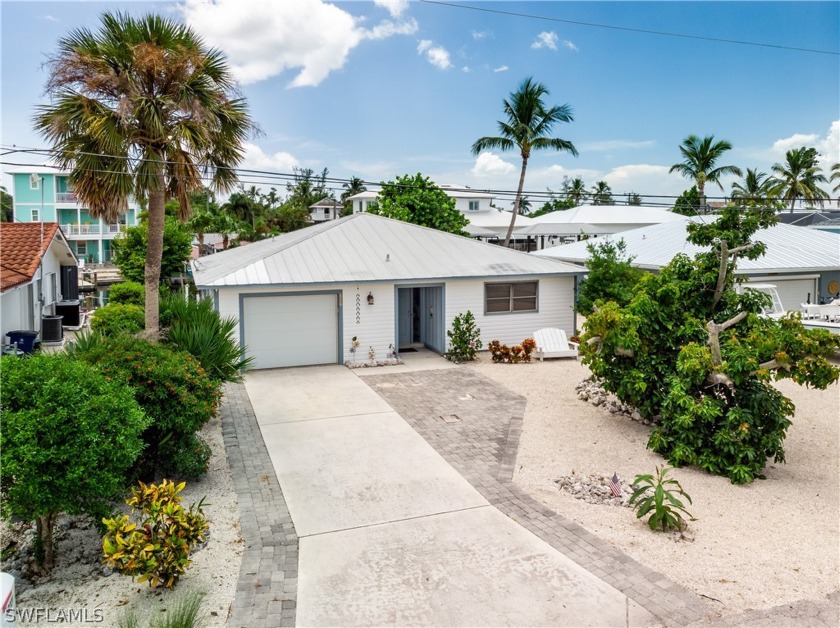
21	250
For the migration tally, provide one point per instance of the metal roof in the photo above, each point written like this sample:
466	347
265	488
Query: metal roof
611	215
561	229
365	247
789	248
496	219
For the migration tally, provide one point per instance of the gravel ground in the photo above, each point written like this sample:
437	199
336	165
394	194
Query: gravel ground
78	581
770	543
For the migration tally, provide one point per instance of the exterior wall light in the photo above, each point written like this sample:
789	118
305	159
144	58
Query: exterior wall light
370	298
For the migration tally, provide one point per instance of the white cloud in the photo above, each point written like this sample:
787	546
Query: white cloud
489	165
478	35
546	39
827	146
570	45
438	56
466	69
394	7
501	68
51	18
263	39
257	159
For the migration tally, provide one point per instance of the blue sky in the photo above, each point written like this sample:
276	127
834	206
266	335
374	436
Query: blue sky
380	89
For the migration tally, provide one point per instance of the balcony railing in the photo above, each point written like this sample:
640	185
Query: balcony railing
75	230
66	197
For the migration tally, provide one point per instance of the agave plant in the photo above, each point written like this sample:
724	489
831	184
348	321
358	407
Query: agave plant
658	494
195	327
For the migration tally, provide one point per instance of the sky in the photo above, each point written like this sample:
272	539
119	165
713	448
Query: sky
386	88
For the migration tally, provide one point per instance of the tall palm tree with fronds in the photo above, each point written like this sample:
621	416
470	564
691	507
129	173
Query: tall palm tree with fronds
575	190
835	176
700	158
142	108
527	127
800	176
758	188
602	193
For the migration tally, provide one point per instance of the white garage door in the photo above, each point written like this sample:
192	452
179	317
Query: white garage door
792	292
294	330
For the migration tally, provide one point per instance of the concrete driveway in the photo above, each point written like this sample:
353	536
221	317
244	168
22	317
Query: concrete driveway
391	534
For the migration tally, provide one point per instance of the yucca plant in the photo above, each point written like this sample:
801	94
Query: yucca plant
195	327
658	494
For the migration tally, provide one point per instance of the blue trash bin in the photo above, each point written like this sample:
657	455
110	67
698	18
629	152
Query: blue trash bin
23	339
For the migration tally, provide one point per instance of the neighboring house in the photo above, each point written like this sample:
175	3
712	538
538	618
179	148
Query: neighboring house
32	259
325	209
486	220
596	220
302	297
803	263
213	243
44	194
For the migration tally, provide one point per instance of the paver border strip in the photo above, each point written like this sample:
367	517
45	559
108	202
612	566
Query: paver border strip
467	450
266	591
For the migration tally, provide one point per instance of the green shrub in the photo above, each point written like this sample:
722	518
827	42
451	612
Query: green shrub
118	318
170	386
185	457
129	250
157	550
464	339
659	494
128	292
195	327
610	276
68	435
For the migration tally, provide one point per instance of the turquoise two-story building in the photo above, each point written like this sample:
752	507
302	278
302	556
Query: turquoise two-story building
44	194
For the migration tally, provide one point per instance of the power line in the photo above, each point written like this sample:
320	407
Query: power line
632	30
268	177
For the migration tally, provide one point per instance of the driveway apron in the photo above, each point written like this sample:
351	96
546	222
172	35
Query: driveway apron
391	534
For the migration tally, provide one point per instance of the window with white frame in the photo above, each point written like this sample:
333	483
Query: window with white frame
81	247
36	215
473	206
502	298
35	182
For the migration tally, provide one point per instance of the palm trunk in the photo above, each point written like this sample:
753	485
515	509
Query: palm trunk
200	235
154	255
44	529
701	187
516	201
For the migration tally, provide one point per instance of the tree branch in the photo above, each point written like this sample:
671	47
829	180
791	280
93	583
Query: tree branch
733	321
724	264
738	249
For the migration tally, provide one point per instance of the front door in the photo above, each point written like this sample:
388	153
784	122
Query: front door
420	317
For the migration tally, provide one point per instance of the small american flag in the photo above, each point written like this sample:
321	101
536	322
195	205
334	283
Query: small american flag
615	485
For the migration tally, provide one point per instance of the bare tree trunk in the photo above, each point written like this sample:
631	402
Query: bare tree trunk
516	201
701	187
200	236
154	255
44	528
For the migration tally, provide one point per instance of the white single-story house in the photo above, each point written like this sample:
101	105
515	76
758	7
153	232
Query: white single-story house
33	257
803	263
599	220
302	297
325	209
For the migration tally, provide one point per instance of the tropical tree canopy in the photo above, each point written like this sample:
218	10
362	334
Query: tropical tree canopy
799	177
602	194
757	188
575	190
142	108
835	175
418	200
351	187
527	127
700	162
688	203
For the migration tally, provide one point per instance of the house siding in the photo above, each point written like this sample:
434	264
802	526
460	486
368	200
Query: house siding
555	304
375	327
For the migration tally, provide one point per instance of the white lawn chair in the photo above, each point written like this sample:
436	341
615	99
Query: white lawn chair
552	343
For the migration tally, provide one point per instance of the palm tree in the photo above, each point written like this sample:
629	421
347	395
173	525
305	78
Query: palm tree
524	205
527	127
835	175
798	177
142	108
700	162
634	199
757	187
575	190
225	224
602	194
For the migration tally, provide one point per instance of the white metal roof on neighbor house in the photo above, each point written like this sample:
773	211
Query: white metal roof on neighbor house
611	215
790	249
496	220
365	247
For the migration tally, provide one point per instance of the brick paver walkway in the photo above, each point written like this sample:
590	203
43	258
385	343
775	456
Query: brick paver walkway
266	592
479	436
